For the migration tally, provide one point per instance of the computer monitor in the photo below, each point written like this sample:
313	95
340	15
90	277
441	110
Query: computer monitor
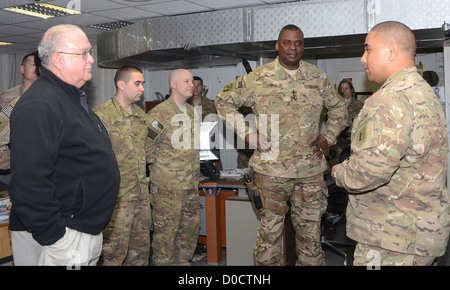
208	132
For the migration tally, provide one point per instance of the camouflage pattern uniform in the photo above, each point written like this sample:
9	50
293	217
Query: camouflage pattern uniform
208	106
126	239
353	110
294	173
174	177
11	94
9	97
398	168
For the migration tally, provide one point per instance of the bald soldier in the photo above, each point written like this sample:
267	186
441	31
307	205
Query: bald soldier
174	174
289	161
398	203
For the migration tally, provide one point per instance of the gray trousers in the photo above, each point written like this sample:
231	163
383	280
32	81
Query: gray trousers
73	250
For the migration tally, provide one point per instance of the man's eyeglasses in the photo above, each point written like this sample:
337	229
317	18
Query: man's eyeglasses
84	54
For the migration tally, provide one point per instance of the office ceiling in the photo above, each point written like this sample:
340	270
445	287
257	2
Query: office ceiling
26	31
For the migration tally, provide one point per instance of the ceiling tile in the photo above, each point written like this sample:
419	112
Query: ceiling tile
139	3
9	3
19	39
84	19
37	24
86	6
220	4
126	14
174	8
18	30
8	17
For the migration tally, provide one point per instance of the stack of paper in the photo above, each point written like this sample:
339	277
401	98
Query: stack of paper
5	207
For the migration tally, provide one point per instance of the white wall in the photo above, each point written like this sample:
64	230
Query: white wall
101	87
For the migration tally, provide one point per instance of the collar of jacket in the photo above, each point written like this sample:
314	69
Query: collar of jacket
399	74
189	107
71	90
122	110
281	73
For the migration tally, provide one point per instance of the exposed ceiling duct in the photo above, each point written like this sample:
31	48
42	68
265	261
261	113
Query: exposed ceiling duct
226	37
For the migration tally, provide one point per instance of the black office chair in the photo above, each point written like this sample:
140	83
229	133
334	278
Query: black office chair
332	245
335	213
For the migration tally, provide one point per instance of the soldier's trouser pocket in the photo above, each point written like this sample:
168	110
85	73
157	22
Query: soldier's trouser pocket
310	198
273	193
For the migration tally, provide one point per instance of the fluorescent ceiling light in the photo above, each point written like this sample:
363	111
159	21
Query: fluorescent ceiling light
111	25
42	10
5	43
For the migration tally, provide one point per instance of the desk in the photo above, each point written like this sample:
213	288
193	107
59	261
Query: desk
241	228
5	241
212	191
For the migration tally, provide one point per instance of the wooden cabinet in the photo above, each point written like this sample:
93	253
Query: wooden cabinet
150	105
5	241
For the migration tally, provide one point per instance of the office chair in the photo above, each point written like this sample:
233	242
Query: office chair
337	204
331	244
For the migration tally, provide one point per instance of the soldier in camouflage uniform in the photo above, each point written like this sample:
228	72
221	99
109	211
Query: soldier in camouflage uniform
7	101
399	204
337	200
174	174
199	98
289	169
126	239
354	106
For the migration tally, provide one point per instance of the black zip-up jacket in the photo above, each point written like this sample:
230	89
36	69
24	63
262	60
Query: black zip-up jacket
63	170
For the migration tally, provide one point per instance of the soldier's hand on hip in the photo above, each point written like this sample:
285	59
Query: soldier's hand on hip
320	145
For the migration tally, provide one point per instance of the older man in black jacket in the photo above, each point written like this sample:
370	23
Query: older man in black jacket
64	175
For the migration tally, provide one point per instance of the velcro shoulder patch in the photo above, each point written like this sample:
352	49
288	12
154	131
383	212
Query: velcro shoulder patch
154	129
361	132
4	121
5	114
